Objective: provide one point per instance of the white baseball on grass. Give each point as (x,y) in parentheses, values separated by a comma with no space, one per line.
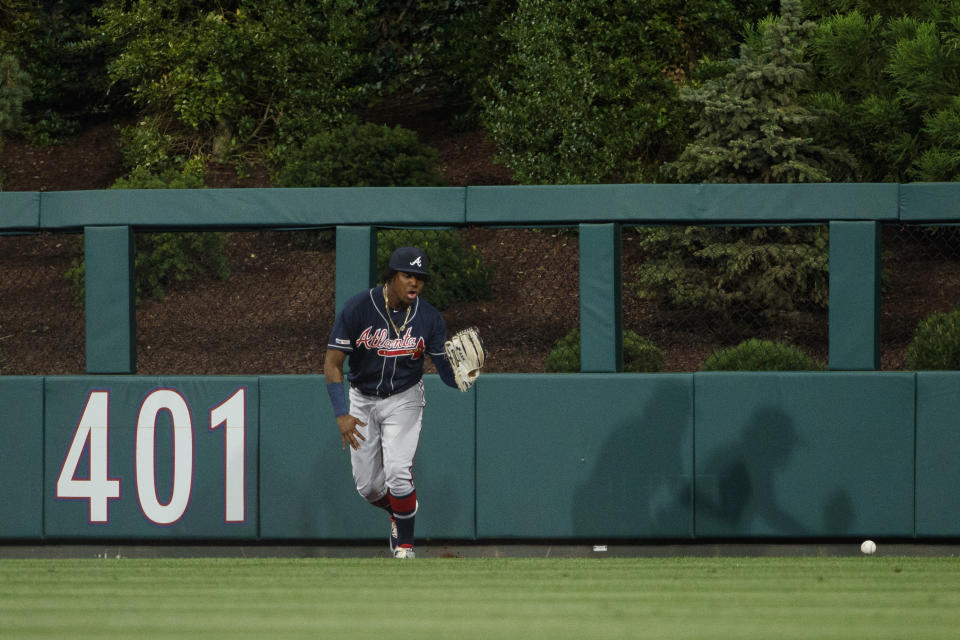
(869,547)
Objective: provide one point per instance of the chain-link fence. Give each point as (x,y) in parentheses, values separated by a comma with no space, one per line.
(694,291)
(41,319)
(534,296)
(269,312)
(920,282)
(690,291)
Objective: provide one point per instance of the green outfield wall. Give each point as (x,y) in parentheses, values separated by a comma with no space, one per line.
(599,455)
(521,456)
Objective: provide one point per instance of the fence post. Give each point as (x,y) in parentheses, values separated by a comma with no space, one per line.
(854,315)
(600,318)
(110,300)
(356,261)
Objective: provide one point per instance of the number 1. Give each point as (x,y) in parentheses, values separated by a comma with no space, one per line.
(232,412)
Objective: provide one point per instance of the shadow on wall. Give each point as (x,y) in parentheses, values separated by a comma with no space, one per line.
(737,485)
(639,484)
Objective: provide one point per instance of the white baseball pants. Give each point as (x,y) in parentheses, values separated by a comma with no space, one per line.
(384,461)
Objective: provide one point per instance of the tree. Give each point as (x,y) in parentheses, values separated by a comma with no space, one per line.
(227,77)
(68,80)
(14,90)
(887,84)
(438,52)
(589,90)
(751,127)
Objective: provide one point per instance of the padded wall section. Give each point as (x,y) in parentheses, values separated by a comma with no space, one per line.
(306,488)
(683,203)
(110,300)
(307,483)
(445,469)
(356,258)
(19,210)
(854,296)
(193,208)
(21,453)
(804,454)
(574,456)
(600,317)
(932,201)
(938,453)
(151,457)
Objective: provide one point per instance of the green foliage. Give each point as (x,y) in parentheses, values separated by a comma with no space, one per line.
(165,258)
(881,8)
(762,355)
(640,355)
(228,77)
(440,50)
(361,155)
(457,273)
(759,272)
(936,342)
(886,86)
(149,147)
(940,162)
(68,80)
(589,90)
(14,91)
(751,125)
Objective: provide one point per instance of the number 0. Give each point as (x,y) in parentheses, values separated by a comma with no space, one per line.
(171,401)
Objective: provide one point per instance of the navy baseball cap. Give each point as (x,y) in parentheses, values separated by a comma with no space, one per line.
(410,260)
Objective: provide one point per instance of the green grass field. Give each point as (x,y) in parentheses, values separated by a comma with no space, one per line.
(741,598)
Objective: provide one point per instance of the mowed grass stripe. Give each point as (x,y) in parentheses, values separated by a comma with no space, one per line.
(741,598)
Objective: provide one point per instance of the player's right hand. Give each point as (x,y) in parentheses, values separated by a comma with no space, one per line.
(348,431)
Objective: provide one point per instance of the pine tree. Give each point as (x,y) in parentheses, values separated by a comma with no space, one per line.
(752,125)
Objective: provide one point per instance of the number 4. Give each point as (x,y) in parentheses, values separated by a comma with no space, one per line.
(98,488)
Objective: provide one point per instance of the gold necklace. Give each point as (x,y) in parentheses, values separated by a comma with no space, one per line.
(386,304)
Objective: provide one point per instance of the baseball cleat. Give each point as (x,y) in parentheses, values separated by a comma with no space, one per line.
(404,553)
(394,535)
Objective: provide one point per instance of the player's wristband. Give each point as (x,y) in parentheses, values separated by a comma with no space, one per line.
(338,398)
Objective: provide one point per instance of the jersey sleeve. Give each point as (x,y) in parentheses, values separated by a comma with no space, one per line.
(343,332)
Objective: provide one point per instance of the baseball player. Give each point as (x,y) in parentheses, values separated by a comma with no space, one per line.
(386,331)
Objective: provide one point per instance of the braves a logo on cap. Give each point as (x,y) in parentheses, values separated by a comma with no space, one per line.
(417,263)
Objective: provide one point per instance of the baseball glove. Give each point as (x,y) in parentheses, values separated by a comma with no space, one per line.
(466,355)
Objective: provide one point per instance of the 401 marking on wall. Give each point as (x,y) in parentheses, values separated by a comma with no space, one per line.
(91,438)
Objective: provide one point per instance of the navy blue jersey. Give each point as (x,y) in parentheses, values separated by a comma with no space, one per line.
(381,362)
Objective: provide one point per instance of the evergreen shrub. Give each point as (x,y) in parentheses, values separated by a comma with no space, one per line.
(457,273)
(936,342)
(762,355)
(361,155)
(640,355)
(165,258)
